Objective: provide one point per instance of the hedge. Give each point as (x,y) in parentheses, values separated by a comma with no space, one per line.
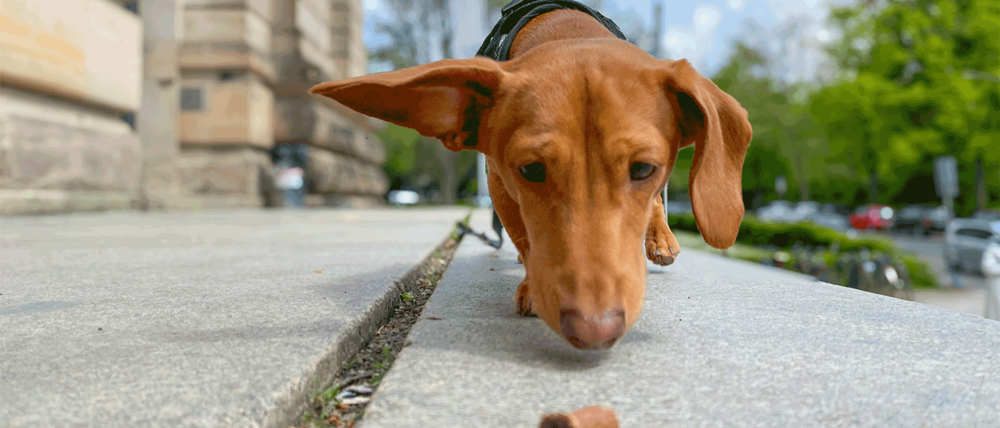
(758,233)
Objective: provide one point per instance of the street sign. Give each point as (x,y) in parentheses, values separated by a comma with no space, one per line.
(946,177)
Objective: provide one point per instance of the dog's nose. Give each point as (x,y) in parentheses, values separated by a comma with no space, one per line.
(592,332)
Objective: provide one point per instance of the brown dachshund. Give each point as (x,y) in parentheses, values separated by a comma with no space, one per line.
(580,130)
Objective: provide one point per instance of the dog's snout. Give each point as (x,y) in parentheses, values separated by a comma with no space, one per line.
(592,332)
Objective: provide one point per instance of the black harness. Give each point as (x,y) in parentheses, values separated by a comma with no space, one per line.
(518,13)
(514,17)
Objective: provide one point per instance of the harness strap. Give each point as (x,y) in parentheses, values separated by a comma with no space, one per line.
(518,13)
(514,17)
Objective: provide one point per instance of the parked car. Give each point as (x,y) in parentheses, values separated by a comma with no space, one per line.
(805,209)
(832,220)
(403,197)
(922,219)
(965,239)
(872,216)
(831,207)
(776,211)
(987,214)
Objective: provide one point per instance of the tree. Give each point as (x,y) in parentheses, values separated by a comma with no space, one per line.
(419,32)
(920,79)
(786,140)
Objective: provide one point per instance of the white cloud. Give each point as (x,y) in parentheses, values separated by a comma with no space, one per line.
(681,44)
(706,18)
(374,7)
(735,5)
(824,35)
(694,41)
(784,9)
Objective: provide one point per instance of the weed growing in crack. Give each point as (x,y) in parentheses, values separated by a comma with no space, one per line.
(341,404)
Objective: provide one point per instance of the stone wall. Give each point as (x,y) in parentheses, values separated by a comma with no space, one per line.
(225,126)
(313,44)
(56,156)
(64,145)
(199,94)
(67,49)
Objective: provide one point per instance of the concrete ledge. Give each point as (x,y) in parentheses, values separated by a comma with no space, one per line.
(720,343)
(216,319)
(208,202)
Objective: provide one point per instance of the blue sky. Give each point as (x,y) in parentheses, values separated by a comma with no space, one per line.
(702,32)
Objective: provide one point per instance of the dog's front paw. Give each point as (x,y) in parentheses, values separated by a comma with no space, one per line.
(522,303)
(662,247)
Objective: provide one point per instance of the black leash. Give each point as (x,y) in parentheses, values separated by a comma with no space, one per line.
(497,227)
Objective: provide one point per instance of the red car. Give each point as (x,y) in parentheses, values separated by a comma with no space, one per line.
(872,216)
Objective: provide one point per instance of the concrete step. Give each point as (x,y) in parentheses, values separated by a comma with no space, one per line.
(720,343)
(225,318)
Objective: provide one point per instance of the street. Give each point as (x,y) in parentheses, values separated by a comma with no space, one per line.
(969,299)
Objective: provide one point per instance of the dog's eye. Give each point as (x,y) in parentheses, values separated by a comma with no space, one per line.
(533,172)
(641,171)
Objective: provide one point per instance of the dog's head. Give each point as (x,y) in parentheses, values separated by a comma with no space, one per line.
(583,135)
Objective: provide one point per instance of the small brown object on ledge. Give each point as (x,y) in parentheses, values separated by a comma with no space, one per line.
(587,417)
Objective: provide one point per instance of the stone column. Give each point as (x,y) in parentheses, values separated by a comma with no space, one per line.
(163,21)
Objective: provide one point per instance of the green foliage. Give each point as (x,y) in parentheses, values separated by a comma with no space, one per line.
(757,233)
(913,80)
(401,149)
(920,79)
(916,80)
(417,163)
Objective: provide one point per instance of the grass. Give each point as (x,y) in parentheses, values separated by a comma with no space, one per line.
(694,241)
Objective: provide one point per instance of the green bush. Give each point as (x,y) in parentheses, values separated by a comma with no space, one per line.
(758,233)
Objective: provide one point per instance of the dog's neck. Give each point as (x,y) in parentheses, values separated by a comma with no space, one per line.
(529,23)
(557,25)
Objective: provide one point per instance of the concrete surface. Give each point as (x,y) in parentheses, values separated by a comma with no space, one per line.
(198,320)
(720,343)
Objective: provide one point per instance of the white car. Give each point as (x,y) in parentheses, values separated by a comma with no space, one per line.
(965,239)
(777,211)
(403,197)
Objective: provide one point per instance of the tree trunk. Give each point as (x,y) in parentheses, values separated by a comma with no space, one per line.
(873,187)
(981,196)
(449,177)
(803,180)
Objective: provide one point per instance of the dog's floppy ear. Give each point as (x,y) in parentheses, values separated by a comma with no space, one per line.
(718,127)
(442,99)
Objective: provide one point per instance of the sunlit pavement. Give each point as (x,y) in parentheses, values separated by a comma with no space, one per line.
(966,300)
(211,319)
(720,342)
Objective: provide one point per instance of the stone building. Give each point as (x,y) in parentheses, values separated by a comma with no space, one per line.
(178,104)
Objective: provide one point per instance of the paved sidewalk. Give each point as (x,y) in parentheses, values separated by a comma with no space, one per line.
(192,319)
(967,300)
(720,343)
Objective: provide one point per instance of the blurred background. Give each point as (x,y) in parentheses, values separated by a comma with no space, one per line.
(149,104)
(868,116)
(851,102)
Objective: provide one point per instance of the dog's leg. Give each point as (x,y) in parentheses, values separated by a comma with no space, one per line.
(510,216)
(661,245)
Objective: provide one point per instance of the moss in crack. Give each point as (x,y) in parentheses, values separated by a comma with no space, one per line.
(363,373)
